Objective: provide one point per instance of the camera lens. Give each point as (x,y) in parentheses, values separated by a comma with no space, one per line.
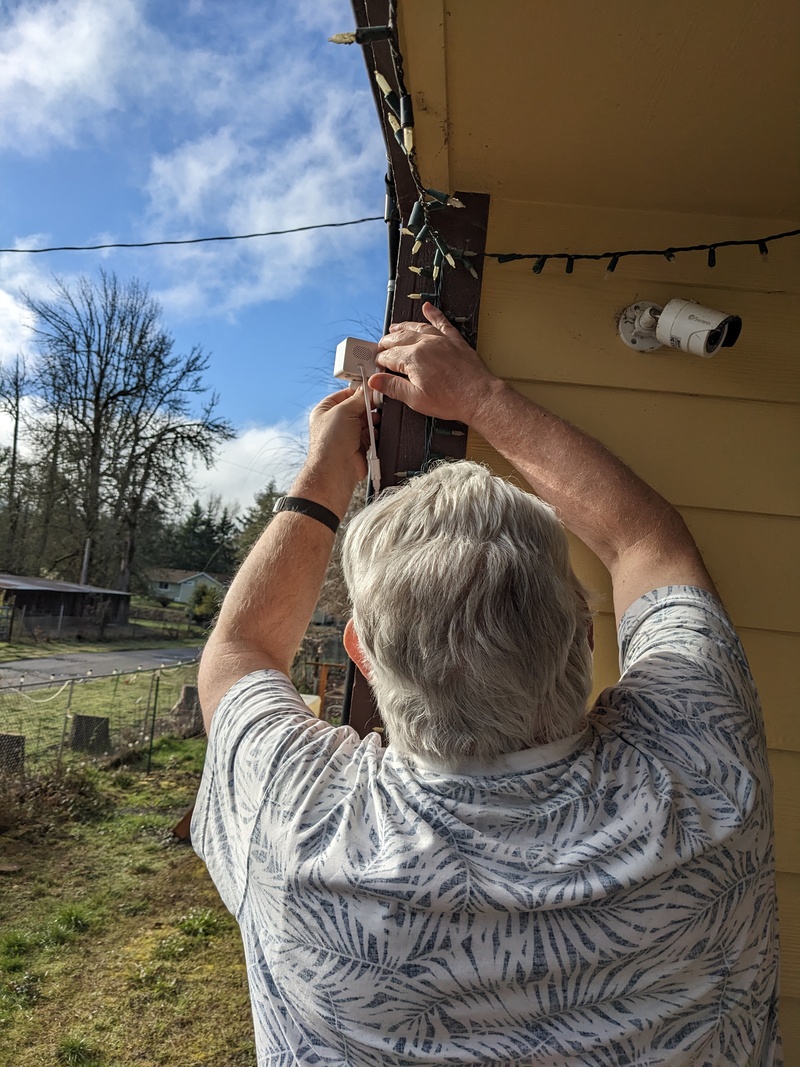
(715,338)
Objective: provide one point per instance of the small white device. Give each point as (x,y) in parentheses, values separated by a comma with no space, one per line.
(679,324)
(353,355)
(355,362)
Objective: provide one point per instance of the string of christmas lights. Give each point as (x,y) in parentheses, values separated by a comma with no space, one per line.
(613,258)
(399,115)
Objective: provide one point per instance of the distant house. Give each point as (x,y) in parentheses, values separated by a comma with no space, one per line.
(68,600)
(179,586)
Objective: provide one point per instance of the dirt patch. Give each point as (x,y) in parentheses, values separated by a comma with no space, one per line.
(116,949)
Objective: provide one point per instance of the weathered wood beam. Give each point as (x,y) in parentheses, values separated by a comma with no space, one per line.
(403,431)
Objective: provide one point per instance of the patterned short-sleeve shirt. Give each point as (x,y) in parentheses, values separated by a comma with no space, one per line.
(605,900)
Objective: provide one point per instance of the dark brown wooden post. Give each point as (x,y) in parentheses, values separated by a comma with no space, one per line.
(402,435)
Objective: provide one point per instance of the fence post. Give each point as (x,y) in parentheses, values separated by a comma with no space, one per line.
(147,709)
(66,718)
(153,721)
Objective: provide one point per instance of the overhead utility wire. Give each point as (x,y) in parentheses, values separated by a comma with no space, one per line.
(197,240)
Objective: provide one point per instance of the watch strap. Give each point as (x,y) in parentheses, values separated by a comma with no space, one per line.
(307,507)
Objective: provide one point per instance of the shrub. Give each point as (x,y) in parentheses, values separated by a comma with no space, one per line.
(204,604)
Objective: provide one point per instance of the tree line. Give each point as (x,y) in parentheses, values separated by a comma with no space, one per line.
(210,537)
(107,421)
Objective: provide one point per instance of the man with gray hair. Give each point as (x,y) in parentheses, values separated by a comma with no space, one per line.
(517,878)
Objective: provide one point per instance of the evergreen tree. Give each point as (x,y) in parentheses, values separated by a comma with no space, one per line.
(256,519)
(205,539)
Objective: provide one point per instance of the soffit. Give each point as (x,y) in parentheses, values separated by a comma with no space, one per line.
(679,106)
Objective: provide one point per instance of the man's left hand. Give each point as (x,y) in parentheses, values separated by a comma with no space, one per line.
(338,443)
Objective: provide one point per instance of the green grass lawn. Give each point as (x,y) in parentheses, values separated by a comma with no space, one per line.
(115,949)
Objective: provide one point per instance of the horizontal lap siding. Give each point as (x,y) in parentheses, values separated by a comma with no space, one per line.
(720,438)
(690,445)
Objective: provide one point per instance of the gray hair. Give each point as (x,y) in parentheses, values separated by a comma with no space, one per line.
(473,624)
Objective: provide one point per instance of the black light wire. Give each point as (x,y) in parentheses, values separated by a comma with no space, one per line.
(668,253)
(195,240)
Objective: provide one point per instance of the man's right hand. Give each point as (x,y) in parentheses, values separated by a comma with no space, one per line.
(639,537)
(444,377)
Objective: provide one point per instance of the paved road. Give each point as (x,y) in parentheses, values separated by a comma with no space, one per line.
(77,664)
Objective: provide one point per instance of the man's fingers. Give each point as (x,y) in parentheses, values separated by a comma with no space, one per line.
(390,385)
(351,402)
(406,333)
(413,327)
(331,401)
(395,359)
(439,320)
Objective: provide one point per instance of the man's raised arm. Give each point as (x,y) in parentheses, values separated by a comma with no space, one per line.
(269,605)
(638,535)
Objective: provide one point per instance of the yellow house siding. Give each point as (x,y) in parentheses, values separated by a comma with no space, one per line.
(605,104)
(568,336)
(691,444)
(720,438)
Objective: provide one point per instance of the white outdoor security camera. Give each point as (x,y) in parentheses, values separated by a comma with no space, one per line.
(679,324)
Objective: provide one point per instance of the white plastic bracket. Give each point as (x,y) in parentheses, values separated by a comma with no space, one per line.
(373,463)
(637,326)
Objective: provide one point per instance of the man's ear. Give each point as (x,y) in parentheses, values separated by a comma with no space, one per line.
(353,648)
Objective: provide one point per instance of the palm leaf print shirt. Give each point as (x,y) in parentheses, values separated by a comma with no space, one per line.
(604,900)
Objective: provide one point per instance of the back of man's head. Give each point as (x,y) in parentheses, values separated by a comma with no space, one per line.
(473,624)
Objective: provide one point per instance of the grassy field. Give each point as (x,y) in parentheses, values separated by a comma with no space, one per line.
(151,636)
(42,715)
(115,949)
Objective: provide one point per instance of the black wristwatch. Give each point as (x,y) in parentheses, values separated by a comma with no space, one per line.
(307,507)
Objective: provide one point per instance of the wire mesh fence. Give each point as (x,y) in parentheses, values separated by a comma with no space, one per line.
(25,626)
(320,667)
(44,727)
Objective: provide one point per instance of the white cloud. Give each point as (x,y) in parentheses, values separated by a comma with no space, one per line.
(327,172)
(248,463)
(20,274)
(330,16)
(253,122)
(185,181)
(14,327)
(59,63)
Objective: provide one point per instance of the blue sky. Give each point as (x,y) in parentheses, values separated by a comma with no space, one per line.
(142,120)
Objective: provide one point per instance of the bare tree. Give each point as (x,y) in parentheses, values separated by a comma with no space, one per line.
(14,385)
(119,414)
